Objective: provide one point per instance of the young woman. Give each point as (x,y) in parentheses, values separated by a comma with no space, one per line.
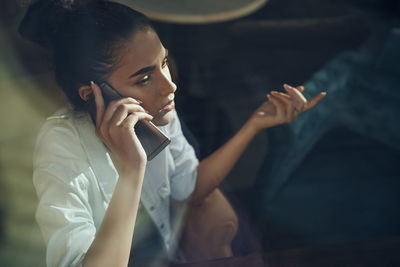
(97,190)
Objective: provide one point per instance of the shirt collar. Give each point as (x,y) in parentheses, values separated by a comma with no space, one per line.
(98,156)
(155,182)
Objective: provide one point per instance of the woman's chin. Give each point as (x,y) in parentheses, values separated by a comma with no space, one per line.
(164,120)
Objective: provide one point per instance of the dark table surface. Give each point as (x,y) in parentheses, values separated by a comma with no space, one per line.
(384,253)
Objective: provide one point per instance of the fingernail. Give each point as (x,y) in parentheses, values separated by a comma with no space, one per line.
(269,96)
(287,86)
(323,93)
(138,101)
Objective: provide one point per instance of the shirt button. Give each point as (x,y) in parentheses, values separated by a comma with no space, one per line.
(152,208)
(162,226)
(164,191)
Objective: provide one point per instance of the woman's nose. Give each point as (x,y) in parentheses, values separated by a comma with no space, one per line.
(167,86)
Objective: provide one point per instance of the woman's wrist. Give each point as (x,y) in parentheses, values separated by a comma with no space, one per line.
(132,171)
(250,127)
(128,167)
(131,168)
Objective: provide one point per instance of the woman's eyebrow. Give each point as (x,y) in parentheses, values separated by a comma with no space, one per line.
(147,69)
(142,71)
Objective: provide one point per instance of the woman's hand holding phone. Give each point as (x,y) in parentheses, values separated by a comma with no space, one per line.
(115,127)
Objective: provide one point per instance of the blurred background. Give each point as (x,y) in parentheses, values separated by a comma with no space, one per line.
(331,177)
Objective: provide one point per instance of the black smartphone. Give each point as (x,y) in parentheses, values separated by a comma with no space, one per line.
(151,138)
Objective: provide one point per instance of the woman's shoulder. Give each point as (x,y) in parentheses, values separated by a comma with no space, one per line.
(59,137)
(59,125)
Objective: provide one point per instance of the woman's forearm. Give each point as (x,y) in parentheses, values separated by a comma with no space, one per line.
(112,244)
(280,108)
(213,169)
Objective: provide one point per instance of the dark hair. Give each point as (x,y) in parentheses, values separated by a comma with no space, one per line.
(84,38)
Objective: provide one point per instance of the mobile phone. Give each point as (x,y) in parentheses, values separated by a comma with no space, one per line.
(151,138)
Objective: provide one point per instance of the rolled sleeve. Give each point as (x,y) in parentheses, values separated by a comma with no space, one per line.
(64,217)
(64,213)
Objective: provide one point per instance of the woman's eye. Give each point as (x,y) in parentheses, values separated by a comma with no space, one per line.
(144,80)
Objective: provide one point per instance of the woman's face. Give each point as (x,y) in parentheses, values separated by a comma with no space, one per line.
(143,74)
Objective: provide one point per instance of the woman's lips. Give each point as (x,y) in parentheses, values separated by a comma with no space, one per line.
(168,107)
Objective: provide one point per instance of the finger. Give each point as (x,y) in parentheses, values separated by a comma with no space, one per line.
(298,105)
(123,111)
(300,88)
(295,93)
(99,101)
(288,105)
(261,110)
(104,127)
(276,93)
(315,100)
(301,101)
(131,120)
(278,105)
(267,108)
(122,104)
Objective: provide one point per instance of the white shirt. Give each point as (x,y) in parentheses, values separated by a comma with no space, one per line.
(74,178)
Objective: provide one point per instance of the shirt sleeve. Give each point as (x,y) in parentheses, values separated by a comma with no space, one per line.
(184,176)
(61,181)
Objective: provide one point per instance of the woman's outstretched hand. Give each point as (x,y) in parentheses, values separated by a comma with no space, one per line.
(115,127)
(282,107)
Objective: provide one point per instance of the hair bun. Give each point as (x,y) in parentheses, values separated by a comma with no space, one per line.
(42,20)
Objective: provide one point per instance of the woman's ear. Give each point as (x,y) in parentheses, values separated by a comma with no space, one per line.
(84,92)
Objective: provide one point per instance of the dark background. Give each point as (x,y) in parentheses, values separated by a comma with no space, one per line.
(223,72)
(347,187)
